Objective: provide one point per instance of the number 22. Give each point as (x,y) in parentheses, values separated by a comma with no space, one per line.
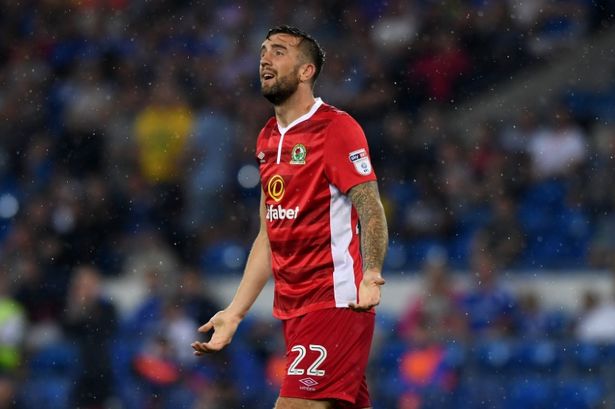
(302,352)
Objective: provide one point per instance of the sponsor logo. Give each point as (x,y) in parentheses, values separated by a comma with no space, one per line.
(261,157)
(361,162)
(280,213)
(275,187)
(298,154)
(309,384)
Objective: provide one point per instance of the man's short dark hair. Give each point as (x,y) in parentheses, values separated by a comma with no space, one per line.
(308,45)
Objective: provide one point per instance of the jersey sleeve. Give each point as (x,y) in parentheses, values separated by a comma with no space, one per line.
(346,154)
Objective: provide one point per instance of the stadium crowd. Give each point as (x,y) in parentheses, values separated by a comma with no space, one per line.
(128,131)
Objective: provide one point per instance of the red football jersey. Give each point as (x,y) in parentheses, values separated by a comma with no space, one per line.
(306,170)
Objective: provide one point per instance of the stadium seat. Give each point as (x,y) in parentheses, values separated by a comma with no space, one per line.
(579,393)
(493,356)
(224,257)
(537,356)
(586,357)
(535,392)
(49,392)
(397,256)
(57,359)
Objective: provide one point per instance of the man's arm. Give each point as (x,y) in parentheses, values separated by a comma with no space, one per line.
(374,241)
(255,276)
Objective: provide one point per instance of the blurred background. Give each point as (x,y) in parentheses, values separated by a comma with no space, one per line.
(129,195)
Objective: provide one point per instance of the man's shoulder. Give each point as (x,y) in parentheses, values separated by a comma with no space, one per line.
(335,116)
(332,112)
(269,126)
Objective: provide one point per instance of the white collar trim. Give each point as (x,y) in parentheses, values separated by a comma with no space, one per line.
(317,103)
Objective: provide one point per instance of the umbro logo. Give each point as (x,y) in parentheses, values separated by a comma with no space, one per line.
(261,157)
(309,382)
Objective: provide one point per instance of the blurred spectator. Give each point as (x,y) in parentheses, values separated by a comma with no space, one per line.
(597,321)
(86,100)
(501,236)
(13,323)
(31,290)
(558,25)
(162,131)
(210,165)
(149,310)
(601,197)
(441,66)
(196,296)
(492,25)
(602,246)
(521,131)
(398,27)
(560,149)
(391,152)
(90,322)
(536,322)
(490,308)
(434,317)
(8,393)
(147,250)
(167,339)
(427,217)
(455,176)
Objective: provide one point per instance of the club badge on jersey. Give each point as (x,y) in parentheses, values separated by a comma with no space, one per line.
(361,162)
(298,155)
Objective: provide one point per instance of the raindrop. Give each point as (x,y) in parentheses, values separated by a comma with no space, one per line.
(248,176)
(9,206)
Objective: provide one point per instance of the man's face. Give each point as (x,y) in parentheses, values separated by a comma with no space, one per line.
(279,67)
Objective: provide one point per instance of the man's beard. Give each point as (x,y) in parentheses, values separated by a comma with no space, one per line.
(283,88)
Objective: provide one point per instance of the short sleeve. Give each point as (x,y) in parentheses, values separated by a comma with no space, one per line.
(346,154)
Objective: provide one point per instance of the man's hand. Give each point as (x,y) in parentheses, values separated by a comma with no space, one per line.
(369,292)
(224,325)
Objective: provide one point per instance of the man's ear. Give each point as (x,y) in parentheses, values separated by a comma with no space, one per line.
(307,72)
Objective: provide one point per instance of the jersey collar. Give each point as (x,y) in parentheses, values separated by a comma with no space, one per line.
(317,103)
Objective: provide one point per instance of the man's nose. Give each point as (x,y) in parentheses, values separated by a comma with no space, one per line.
(265,61)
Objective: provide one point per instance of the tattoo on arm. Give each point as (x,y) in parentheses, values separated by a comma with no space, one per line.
(374,232)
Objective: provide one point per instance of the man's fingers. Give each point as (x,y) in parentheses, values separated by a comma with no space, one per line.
(206,327)
(379,281)
(201,348)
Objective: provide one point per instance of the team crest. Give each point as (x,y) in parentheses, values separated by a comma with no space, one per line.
(360,160)
(298,154)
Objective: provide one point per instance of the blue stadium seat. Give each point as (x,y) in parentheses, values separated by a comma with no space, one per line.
(586,357)
(494,356)
(534,392)
(224,257)
(417,250)
(549,194)
(458,249)
(538,356)
(579,393)
(49,392)
(397,256)
(557,324)
(591,105)
(455,355)
(57,359)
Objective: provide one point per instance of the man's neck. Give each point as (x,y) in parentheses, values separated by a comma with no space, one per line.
(294,107)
